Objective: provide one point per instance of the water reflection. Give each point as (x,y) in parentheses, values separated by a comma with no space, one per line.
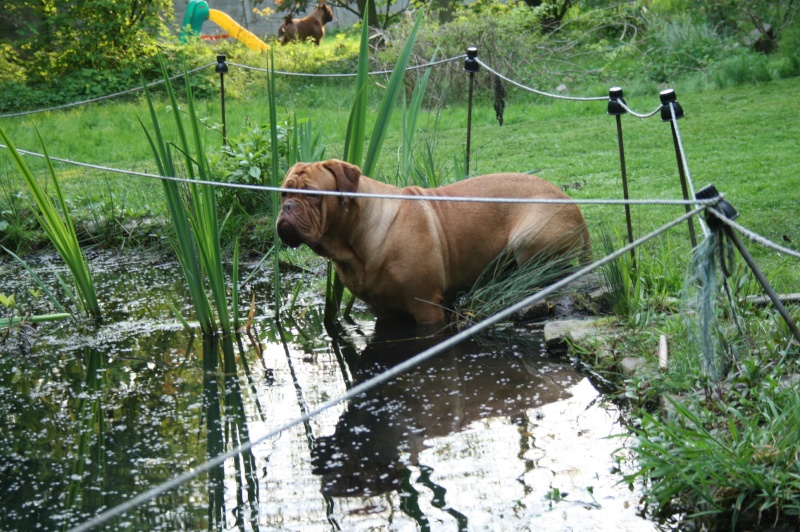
(90,416)
(385,430)
(227,431)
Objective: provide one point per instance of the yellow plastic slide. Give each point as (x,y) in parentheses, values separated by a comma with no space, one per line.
(236,31)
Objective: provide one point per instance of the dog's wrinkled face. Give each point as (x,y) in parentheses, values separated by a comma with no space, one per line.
(305,217)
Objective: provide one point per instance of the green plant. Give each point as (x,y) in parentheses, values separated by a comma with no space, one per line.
(305,143)
(91,426)
(42,286)
(626,289)
(247,159)
(411,112)
(356,135)
(730,462)
(10,304)
(66,51)
(276,182)
(65,36)
(678,44)
(59,228)
(741,69)
(503,284)
(195,221)
(555,495)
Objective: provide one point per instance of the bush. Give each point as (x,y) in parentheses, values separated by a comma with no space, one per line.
(507,37)
(789,52)
(247,160)
(679,45)
(743,68)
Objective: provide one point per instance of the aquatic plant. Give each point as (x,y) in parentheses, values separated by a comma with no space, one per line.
(58,227)
(411,112)
(276,180)
(89,415)
(502,284)
(39,318)
(195,220)
(305,144)
(626,290)
(235,286)
(42,286)
(387,106)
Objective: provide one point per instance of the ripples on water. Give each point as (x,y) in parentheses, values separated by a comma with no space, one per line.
(489,435)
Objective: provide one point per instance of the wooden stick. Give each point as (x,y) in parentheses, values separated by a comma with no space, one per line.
(662,352)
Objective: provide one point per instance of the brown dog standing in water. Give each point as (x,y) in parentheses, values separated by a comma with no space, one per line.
(414,257)
(300,29)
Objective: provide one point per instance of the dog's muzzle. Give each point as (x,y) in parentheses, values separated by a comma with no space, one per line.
(285,226)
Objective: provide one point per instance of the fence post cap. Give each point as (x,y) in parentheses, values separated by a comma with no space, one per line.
(471,62)
(615,100)
(668,100)
(222,66)
(723,207)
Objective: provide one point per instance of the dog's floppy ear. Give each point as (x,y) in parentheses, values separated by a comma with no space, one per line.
(347,175)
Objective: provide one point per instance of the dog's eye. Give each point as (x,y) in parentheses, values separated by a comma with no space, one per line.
(283,194)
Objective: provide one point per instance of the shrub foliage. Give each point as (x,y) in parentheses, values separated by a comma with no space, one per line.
(80,48)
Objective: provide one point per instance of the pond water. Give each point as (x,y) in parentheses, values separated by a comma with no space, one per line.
(493,434)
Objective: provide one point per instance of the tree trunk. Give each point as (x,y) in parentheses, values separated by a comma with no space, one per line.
(373,11)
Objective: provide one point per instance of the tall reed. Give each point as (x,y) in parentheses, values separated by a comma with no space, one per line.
(276,180)
(195,220)
(60,231)
(387,106)
(410,115)
(305,144)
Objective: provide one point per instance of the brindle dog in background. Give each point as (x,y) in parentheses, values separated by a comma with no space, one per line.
(300,29)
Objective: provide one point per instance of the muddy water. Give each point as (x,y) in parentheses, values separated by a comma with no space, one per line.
(491,435)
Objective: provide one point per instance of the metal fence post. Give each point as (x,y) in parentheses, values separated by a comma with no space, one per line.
(222,69)
(616,109)
(471,66)
(670,103)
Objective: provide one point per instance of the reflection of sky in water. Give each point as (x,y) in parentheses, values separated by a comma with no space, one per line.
(467,437)
(493,471)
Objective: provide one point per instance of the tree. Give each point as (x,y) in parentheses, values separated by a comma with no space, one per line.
(61,36)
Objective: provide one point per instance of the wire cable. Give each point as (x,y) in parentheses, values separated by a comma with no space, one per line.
(537,91)
(684,163)
(754,237)
(638,115)
(107,96)
(345,75)
(463,199)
